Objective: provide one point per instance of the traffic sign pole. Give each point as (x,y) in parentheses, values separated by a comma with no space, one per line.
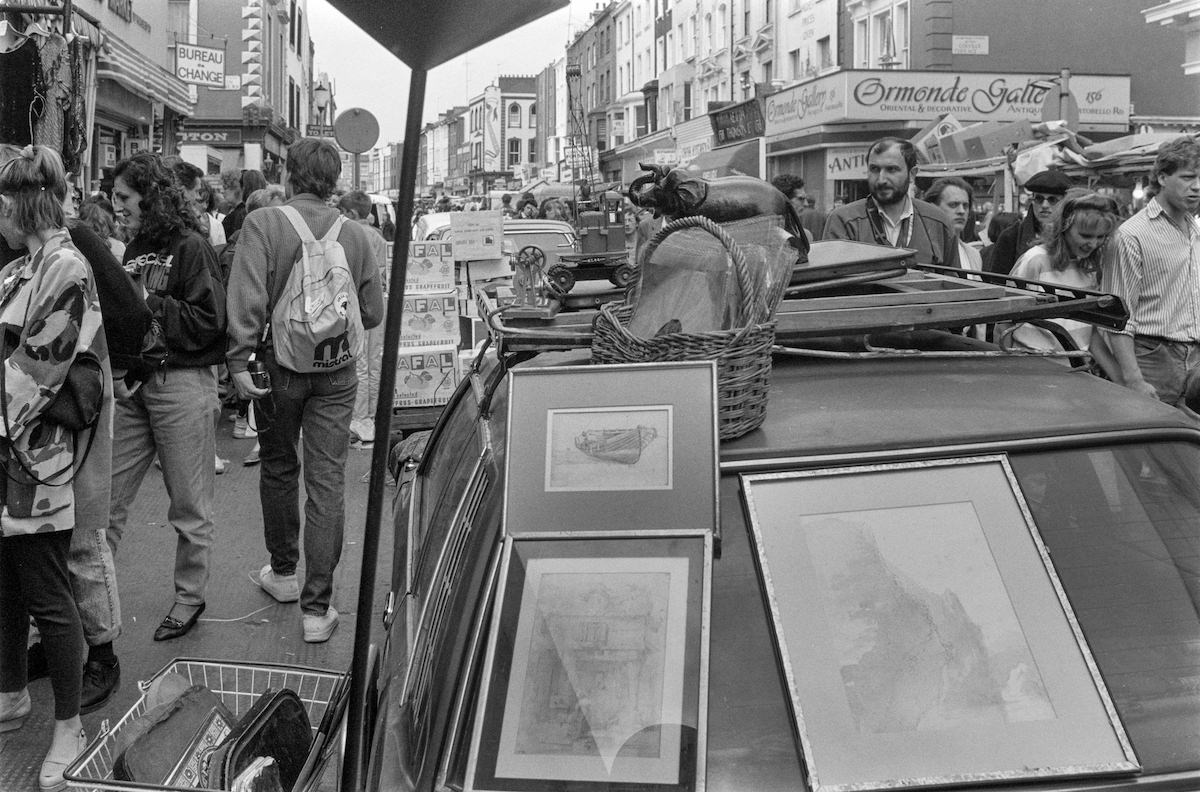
(356,131)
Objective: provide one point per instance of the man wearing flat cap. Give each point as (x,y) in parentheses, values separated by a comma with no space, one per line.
(1045,190)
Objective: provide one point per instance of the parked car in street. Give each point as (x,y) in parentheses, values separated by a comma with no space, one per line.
(551,237)
(935,565)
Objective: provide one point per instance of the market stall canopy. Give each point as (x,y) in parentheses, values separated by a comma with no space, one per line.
(140,75)
(739,160)
(1131,156)
(427,33)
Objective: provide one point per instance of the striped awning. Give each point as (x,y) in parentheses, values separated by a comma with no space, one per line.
(123,64)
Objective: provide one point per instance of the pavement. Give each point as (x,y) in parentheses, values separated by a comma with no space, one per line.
(241,623)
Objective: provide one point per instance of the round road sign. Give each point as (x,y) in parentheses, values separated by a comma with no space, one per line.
(356,130)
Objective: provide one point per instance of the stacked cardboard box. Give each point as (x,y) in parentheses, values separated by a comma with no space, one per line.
(427,367)
(426,377)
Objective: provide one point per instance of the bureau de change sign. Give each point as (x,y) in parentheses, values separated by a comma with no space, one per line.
(200,65)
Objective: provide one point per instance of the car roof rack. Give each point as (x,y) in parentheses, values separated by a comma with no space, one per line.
(895,298)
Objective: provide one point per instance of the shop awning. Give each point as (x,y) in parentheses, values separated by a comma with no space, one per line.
(739,160)
(134,71)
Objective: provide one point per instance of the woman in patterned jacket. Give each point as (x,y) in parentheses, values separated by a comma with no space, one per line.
(49,313)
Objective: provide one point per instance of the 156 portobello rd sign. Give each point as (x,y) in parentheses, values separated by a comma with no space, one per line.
(924,95)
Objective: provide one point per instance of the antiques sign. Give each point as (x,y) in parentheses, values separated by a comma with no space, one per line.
(1104,100)
(739,122)
(200,65)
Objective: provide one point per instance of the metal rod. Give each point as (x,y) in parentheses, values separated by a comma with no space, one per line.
(383,426)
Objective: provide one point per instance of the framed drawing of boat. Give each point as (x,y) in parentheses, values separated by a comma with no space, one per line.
(602,680)
(598,448)
(609,449)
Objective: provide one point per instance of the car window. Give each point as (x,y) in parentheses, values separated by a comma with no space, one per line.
(1122,526)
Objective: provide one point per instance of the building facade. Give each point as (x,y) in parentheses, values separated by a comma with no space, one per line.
(765,87)
(258,103)
(96,83)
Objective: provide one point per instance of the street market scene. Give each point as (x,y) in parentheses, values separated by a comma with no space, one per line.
(599,395)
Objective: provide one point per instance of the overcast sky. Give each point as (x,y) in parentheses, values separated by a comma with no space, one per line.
(368,76)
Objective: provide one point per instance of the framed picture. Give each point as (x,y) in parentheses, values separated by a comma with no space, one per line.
(596,675)
(622,447)
(924,635)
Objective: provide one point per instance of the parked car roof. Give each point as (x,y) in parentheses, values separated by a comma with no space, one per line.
(820,406)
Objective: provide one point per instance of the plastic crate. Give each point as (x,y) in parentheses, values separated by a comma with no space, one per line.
(239,686)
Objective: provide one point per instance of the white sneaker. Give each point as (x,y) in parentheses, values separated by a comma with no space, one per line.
(363,431)
(318,627)
(284,588)
(242,430)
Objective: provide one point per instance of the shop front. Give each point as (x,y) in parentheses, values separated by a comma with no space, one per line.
(139,105)
(692,139)
(820,130)
(737,134)
(256,141)
(627,160)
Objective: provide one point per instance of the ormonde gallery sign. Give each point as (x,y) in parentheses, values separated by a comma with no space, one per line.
(924,95)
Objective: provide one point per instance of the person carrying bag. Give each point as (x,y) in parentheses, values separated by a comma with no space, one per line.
(50,321)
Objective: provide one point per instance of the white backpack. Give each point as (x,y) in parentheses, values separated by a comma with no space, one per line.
(316,324)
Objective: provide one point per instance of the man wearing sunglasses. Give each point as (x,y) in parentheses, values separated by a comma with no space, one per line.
(1045,190)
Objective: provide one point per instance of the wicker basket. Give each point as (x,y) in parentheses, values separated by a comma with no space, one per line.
(742,354)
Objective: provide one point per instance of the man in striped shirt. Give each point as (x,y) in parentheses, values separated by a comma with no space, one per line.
(1157,274)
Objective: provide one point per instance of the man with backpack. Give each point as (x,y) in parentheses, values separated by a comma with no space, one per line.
(303,288)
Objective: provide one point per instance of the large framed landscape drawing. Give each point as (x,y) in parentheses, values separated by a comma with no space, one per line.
(923,632)
(611,448)
(596,677)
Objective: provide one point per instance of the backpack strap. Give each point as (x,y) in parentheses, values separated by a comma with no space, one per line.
(334,230)
(306,234)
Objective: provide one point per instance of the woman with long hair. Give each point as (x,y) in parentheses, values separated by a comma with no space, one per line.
(49,315)
(170,416)
(1072,254)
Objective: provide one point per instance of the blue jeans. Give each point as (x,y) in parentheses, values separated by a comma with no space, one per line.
(94,583)
(173,418)
(90,560)
(1165,364)
(320,405)
(367,367)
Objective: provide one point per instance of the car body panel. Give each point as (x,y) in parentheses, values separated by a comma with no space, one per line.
(821,406)
(824,412)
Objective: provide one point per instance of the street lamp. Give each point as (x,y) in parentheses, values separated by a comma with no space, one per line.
(321,97)
(747,84)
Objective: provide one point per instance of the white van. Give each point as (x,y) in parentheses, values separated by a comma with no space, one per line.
(382,209)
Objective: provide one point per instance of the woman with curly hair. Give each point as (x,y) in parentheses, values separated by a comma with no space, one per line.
(1072,255)
(49,317)
(171,414)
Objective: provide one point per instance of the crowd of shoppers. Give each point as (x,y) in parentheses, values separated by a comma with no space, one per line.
(1069,236)
(156,241)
